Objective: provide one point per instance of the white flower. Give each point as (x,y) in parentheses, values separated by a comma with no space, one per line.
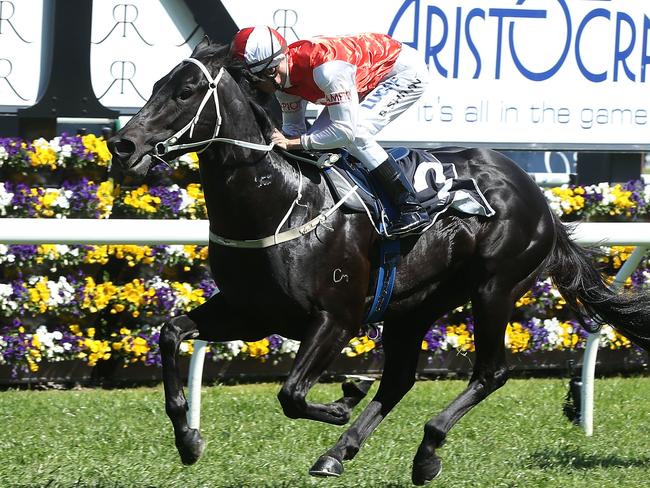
(61,292)
(5,199)
(186,200)
(5,255)
(6,293)
(48,342)
(233,349)
(289,346)
(555,332)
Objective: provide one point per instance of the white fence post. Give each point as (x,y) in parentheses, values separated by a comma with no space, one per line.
(194,384)
(593,341)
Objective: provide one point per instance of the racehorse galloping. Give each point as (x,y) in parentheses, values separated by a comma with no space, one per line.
(295,288)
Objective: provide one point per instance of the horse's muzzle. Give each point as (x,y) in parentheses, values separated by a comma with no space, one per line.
(131,161)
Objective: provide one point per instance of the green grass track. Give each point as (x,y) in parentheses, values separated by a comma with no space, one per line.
(517,438)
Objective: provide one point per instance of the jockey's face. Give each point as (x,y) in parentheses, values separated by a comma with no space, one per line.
(276,78)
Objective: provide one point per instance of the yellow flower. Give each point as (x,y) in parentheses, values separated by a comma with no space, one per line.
(97,146)
(97,350)
(140,346)
(39,294)
(140,199)
(106,197)
(48,251)
(623,202)
(517,337)
(572,199)
(359,345)
(257,349)
(460,335)
(42,154)
(527,299)
(97,254)
(190,297)
(133,292)
(97,297)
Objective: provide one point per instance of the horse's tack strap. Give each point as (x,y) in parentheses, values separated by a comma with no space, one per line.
(389,258)
(287,235)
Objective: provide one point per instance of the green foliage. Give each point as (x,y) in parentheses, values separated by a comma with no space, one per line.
(516,438)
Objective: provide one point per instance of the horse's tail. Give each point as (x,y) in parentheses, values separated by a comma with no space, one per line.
(583,287)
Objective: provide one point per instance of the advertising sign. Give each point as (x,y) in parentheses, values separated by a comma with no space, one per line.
(20,51)
(566,74)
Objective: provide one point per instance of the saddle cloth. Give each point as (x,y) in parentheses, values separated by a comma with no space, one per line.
(437,186)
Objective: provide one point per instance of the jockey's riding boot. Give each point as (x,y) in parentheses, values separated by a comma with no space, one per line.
(401,194)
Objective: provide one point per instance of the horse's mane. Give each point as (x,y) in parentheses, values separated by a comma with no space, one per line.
(264,106)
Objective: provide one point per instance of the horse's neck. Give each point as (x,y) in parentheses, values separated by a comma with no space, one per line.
(249,200)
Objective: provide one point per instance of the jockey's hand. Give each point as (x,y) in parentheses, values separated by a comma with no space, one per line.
(283,142)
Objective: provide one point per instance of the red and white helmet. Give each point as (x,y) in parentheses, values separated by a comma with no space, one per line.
(260,47)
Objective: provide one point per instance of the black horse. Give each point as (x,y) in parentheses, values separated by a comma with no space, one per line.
(292,288)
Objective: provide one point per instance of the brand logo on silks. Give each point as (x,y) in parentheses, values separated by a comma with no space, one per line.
(290,106)
(337,97)
(500,35)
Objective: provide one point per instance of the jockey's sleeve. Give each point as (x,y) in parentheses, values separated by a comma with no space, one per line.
(293,113)
(337,81)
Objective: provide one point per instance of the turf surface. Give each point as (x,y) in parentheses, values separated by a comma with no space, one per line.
(517,438)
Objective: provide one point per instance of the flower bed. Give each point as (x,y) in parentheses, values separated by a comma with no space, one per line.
(104,304)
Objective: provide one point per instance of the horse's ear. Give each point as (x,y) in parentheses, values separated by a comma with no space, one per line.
(204,43)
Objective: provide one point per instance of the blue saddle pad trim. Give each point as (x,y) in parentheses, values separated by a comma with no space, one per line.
(399,152)
(389,258)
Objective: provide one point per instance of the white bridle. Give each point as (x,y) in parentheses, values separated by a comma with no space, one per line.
(169,145)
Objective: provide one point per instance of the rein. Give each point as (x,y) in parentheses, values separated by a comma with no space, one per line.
(169,145)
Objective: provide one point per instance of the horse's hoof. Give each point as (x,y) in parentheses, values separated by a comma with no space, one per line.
(326,466)
(426,470)
(190,447)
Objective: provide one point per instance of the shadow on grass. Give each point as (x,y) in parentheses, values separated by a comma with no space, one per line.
(575,459)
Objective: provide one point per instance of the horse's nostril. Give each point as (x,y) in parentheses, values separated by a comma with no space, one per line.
(123,148)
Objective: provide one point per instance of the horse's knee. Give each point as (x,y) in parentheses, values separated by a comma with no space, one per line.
(291,402)
(175,331)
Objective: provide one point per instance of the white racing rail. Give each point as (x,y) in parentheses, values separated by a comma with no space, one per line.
(127,231)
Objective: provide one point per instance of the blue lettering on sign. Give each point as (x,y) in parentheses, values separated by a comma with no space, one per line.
(627,33)
(645,55)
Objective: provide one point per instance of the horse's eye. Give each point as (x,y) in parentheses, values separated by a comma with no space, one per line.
(185,93)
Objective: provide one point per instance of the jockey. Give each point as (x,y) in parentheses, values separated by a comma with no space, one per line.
(364,81)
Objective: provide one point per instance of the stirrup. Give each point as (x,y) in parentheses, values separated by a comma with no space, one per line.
(410,227)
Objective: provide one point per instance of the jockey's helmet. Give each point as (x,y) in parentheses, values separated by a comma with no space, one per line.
(260,47)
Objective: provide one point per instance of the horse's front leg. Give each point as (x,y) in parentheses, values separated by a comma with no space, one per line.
(189,443)
(326,337)
(214,320)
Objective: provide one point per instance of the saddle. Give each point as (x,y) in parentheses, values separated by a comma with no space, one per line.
(437,184)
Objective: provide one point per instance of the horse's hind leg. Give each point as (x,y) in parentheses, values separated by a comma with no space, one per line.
(492,307)
(401,352)
(214,321)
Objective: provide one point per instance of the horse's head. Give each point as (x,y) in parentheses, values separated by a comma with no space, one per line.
(187,106)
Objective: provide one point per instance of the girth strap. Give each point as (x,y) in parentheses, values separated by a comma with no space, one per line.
(389,258)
